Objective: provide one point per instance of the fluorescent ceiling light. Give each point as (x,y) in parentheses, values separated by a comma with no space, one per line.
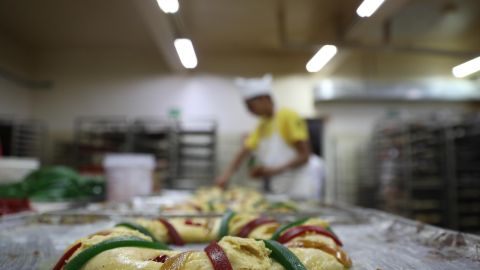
(368,7)
(321,58)
(185,52)
(168,6)
(467,68)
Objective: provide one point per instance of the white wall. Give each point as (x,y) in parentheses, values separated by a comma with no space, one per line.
(106,84)
(15,100)
(295,92)
(119,83)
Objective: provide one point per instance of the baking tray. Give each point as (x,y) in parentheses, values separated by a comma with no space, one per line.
(375,240)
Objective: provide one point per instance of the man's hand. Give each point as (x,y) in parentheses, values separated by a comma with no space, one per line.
(222,180)
(262,171)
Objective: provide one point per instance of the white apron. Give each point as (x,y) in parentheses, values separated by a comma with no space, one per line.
(303,182)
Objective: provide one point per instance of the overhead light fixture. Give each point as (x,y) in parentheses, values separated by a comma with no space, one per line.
(186,53)
(467,68)
(321,58)
(168,6)
(368,7)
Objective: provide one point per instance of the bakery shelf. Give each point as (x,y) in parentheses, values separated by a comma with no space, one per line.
(436,160)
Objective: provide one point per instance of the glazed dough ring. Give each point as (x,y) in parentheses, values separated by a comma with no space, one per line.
(243,253)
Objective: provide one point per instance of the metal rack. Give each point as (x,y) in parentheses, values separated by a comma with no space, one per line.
(96,136)
(195,158)
(464,159)
(184,151)
(388,166)
(426,181)
(22,137)
(155,136)
(429,171)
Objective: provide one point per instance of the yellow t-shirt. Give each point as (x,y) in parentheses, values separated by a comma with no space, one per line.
(289,124)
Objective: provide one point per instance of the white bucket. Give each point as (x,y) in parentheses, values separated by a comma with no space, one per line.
(15,169)
(128,175)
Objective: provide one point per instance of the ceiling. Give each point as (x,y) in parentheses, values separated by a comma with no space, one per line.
(59,24)
(254,37)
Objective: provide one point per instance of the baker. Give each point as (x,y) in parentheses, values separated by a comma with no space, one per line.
(280,143)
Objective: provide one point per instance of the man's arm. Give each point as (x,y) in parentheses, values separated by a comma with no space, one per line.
(223,179)
(303,153)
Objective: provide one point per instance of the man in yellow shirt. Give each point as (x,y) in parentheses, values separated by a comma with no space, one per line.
(281,144)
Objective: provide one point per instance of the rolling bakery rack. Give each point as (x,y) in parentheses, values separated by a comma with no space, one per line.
(430,171)
(22,137)
(185,151)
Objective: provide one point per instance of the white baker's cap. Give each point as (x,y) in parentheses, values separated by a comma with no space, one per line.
(254,87)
